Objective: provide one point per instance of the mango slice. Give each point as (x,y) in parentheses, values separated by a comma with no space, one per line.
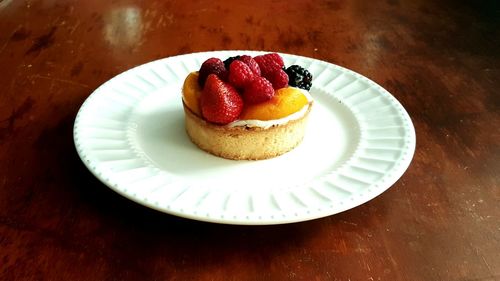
(285,102)
(191,91)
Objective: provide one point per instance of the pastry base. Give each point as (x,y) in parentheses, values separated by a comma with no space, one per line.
(245,143)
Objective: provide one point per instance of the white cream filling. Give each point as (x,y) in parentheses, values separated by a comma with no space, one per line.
(275,122)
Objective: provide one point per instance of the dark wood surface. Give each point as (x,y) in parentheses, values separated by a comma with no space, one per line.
(440,221)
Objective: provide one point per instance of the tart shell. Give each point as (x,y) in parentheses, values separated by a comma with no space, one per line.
(243,142)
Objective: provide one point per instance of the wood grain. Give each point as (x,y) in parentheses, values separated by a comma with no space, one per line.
(440,221)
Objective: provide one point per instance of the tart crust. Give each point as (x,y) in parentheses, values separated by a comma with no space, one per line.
(242,142)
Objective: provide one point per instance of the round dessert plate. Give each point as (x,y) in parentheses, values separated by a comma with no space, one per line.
(130,134)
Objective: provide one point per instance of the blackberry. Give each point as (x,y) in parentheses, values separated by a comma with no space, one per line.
(299,77)
(229,60)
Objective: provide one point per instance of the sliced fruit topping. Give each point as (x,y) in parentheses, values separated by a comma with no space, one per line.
(269,63)
(299,77)
(220,102)
(246,88)
(240,74)
(191,93)
(211,66)
(286,101)
(257,91)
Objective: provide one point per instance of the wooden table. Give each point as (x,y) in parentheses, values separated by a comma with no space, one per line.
(440,221)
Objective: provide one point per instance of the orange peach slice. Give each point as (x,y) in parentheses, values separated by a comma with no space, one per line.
(191,91)
(285,102)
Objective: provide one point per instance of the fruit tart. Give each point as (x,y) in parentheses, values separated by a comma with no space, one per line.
(247,107)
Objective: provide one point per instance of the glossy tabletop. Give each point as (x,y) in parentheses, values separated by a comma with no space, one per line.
(439,221)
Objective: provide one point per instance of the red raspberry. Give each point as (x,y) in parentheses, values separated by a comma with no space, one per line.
(269,63)
(279,79)
(254,66)
(240,74)
(211,66)
(257,91)
(220,103)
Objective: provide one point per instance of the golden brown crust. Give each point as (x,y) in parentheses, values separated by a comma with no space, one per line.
(244,143)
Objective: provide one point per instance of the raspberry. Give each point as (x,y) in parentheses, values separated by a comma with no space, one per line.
(254,66)
(257,91)
(279,79)
(299,77)
(240,74)
(211,66)
(269,63)
(276,58)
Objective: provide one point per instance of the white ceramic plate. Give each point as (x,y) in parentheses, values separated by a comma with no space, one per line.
(130,134)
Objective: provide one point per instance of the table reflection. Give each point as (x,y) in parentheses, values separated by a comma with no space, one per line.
(123,27)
